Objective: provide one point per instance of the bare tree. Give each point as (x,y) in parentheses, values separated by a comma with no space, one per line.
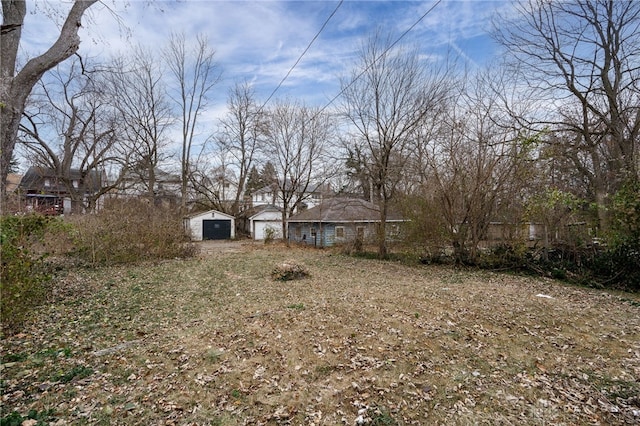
(212,179)
(16,85)
(583,57)
(384,105)
(145,115)
(469,168)
(70,126)
(241,136)
(196,74)
(295,138)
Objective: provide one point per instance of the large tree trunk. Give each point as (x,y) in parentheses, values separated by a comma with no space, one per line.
(382,230)
(15,88)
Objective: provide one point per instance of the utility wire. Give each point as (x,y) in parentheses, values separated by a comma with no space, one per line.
(303,53)
(378,58)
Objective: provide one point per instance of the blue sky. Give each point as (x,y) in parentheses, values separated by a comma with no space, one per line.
(261,40)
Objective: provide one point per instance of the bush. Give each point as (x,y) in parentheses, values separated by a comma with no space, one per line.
(508,256)
(269,235)
(618,264)
(24,275)
(131,231)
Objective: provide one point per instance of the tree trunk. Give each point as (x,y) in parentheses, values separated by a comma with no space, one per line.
(382,231)
(285,237)
(15,88)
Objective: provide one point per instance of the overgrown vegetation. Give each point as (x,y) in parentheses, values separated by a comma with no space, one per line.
(132,230)
(24,274)
(34,247)
(568,244)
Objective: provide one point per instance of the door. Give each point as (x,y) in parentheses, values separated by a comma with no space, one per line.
(216,229)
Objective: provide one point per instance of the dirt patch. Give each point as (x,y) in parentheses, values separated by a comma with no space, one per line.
(216,340)
(210,247)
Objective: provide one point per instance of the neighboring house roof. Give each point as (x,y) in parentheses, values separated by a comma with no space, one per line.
(159,175)
(34,180)
(318,187)
(264,190)
(344,210)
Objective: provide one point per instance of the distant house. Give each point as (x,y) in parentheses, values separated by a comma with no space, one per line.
(339,221)
(309,198)
(46,192)
(210,225)
(167,187)
(216,188)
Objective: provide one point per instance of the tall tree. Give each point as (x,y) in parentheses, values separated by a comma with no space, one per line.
(241,133)
(582,55)
(195,73)
(295,137)
(16,85)
(388,96)
(145,114)
(70,126)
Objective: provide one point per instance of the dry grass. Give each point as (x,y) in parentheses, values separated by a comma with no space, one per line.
(217,341)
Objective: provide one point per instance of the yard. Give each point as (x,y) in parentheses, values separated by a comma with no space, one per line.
(215,340)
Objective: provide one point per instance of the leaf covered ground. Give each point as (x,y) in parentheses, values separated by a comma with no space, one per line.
(216,340)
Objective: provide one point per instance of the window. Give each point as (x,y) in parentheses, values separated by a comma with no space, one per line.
(47,182)
(339,231)
(75,183)
(312,231)
(360,233)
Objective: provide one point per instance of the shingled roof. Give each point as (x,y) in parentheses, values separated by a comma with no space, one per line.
(344,210)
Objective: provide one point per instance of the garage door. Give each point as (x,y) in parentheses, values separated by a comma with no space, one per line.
(261,230)
(216,229)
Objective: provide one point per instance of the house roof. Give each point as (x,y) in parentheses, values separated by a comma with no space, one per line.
(161,176)
(33,180)
(253,212)
(210,213)
(314,187)
(344,210)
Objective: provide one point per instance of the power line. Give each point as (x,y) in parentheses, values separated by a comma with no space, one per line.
(303,53)
(378,58)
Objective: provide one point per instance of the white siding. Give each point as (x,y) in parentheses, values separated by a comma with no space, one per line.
(193,224)
(263,220)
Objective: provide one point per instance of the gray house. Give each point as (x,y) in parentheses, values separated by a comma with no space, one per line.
(339,221)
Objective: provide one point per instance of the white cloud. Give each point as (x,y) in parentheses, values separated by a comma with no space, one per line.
(261,40)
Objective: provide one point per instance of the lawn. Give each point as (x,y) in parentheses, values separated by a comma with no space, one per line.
(215,340)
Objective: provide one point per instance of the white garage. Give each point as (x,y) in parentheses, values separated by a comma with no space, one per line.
(268,220)
(210,225)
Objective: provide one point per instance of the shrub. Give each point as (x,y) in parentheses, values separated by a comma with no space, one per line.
(131,231)
(24,275)
(511,256)
(269,235)
(618,263)
(289,271)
